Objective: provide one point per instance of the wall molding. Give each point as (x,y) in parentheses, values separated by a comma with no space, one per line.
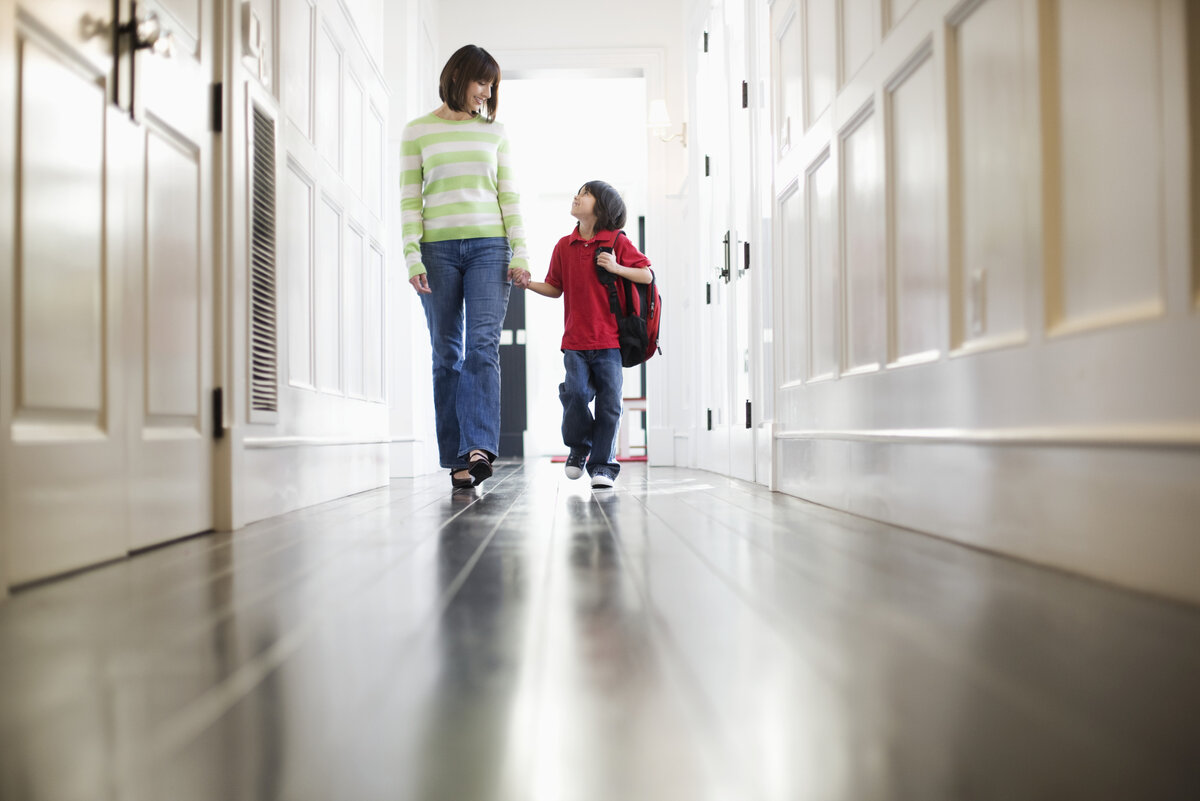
(307,442)
(1185,435)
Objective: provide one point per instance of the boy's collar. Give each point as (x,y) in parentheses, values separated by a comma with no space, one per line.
(604,238)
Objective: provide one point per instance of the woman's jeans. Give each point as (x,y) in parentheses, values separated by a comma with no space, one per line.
(470,275)
(592,374)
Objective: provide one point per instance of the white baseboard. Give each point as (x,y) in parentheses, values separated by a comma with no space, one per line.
(660,447)
(282,479)
(1119,513)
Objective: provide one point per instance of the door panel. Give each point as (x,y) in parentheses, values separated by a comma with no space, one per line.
(170,413)
(172,298)
(63,443)
(61,253)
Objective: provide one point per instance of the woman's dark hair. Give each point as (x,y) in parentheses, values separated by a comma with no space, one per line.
(469,63)
(609,208)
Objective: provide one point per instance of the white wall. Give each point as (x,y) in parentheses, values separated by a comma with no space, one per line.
(324,86)
(985,294)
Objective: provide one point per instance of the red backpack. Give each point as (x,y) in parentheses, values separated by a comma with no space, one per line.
(638,308)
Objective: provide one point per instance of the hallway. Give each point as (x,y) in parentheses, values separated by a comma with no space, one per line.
(685,636)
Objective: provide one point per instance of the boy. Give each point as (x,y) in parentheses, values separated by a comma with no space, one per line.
(583,264)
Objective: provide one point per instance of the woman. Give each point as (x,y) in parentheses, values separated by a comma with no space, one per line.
(464,244)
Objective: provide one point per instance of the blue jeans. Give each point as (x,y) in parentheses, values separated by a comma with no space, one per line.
(468,275)
(592,374)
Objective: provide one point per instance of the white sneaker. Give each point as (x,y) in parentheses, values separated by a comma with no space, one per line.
(574,466)
(602,481)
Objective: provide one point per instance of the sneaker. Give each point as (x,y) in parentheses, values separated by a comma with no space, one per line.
(574,466)
(602,481)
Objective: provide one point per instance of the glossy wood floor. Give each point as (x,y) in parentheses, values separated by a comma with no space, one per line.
(683,636)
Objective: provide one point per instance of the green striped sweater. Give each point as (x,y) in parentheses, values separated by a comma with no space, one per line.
(456,182)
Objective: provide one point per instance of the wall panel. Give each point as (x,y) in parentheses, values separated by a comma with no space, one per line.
(353,304)
(915,188)
(352,119)
(824,311)
(1109,122)
(896,9)
(788,44)
(297,249)
(296,52)
(863,250)
(859,21)
(327,327)
(990,169)
(373,325)
(373,160)
(329,98)
(820,38)
(793,333)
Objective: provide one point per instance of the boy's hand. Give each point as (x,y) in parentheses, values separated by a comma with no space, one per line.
(519,277)
(607,261)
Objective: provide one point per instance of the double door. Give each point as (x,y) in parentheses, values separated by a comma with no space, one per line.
(106,279)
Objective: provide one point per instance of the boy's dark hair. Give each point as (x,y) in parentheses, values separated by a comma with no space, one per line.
(609,208)
(469,63)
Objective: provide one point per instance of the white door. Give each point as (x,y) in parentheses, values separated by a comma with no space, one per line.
(170,315)
(80,353)
(740,319)
(712,139)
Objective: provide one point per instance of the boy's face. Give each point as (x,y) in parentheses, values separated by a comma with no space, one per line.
(583,207)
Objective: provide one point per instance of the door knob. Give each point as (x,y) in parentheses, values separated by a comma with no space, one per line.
(146,34)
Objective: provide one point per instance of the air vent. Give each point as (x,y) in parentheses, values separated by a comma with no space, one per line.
(264,384)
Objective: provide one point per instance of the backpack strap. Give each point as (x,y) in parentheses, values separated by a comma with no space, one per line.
(614,302)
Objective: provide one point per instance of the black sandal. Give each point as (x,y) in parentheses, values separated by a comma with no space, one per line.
(481,466)
(460,483)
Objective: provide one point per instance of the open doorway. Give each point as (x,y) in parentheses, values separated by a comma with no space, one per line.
(566,127)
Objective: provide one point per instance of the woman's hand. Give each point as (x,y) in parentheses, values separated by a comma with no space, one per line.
(421,284)
(519,277)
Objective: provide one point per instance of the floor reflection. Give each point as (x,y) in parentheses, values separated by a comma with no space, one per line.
(679,637)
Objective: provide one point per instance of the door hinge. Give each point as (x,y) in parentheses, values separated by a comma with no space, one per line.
(708,294)
(706,41)
(707,167)
(218,413)
(745,255)
(710,419)
(216,111)
(749,418)
(745,94)
(727,244)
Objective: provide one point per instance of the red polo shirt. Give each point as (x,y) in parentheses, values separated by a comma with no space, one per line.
(588,323)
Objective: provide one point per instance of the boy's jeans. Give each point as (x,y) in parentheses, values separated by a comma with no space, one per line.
(470,274)
(592,374)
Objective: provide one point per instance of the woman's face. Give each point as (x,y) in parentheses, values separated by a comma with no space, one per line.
(478,94)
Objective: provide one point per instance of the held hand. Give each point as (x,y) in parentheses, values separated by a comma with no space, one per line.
(519,277)
(421,284)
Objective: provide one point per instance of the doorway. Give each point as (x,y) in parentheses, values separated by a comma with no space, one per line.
(555,154)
